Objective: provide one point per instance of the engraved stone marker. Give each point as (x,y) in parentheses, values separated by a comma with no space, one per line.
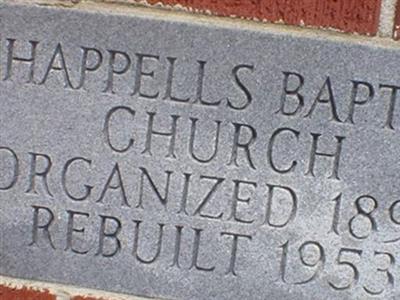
(144,155)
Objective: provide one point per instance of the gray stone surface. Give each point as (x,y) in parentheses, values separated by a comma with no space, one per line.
(183,161)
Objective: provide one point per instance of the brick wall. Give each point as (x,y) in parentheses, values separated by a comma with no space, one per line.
(366,17)
(361,16)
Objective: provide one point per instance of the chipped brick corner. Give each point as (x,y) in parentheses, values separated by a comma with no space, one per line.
(396,27)
(20,289)
(24,293)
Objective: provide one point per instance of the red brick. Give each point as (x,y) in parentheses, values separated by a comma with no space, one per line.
(396,29)
(12,293)
(361,16)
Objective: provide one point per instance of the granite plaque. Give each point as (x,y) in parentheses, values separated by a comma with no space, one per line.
(181,160)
